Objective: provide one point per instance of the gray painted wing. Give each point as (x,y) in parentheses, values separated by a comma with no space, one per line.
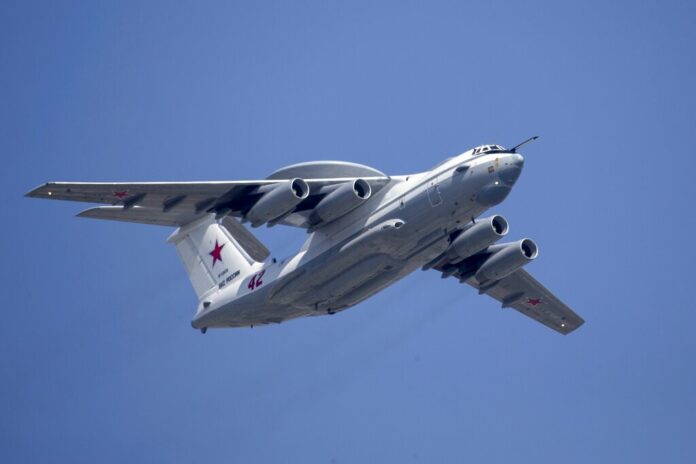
(141,215)
(161,195)
(161,203)
(524,293)
(178,203)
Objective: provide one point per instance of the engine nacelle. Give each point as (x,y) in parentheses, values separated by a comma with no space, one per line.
(477,237)
(277,202)
(506,259)
(341,201)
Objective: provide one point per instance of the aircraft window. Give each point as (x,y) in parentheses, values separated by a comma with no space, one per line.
(487,149)
(483,149)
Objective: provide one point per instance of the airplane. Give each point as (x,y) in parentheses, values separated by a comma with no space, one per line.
(366,230)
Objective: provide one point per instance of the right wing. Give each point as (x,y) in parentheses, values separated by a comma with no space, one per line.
(524,293)
(519,291)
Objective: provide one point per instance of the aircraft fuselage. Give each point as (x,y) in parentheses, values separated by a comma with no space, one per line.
(402,227)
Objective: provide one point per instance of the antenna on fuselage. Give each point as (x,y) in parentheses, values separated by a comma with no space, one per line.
(530,139)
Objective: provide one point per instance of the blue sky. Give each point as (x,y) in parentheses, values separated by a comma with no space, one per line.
(98,361)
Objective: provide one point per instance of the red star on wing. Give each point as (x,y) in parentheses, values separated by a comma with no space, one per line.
(533,301)
(121,194)
(217,253)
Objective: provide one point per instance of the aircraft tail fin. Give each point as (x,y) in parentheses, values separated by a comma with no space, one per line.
(216,253)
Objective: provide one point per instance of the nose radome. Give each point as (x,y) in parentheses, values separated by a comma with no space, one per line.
(512,168)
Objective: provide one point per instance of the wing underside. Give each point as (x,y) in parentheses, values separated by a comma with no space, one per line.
(178,203)
(527,295)
(523,293)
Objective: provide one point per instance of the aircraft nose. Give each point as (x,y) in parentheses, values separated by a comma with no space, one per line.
(512,168)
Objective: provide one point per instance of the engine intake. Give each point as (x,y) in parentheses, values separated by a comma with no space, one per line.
(277,202)
(477,237)
(506,259)
(341,201)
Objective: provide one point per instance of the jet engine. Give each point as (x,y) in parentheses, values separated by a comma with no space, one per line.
(341,201)
(506,259)
(477,237)
(280,200)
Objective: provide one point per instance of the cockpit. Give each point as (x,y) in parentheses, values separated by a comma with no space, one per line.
(482,149)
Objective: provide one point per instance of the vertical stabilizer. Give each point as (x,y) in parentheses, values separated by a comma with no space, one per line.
(212,255)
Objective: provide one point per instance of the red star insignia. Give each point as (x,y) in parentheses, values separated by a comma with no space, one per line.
(217,253)
(533,301)
(121,194)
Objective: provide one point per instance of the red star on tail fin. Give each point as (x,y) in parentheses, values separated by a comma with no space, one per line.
(217,253)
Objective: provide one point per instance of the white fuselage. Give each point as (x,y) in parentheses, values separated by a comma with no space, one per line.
(399,229)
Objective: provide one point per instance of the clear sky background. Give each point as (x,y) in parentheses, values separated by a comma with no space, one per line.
(97,358)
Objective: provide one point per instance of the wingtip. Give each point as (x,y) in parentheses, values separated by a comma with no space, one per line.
(41,191)
(575,326)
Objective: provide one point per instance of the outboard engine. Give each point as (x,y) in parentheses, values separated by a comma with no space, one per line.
(506,259)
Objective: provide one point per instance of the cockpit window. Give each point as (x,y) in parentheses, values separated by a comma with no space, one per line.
(487,149)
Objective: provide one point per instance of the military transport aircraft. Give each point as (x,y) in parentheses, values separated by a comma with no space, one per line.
(366,231)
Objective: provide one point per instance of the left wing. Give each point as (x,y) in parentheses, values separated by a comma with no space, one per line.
(524,293)
(178,203)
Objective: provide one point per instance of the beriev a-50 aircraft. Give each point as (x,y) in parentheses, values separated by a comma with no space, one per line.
(366,230)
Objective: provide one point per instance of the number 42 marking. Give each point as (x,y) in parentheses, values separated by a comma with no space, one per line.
(256,281)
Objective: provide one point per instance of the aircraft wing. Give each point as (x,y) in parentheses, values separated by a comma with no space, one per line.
(527,295)
(178,203)
(524,293)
